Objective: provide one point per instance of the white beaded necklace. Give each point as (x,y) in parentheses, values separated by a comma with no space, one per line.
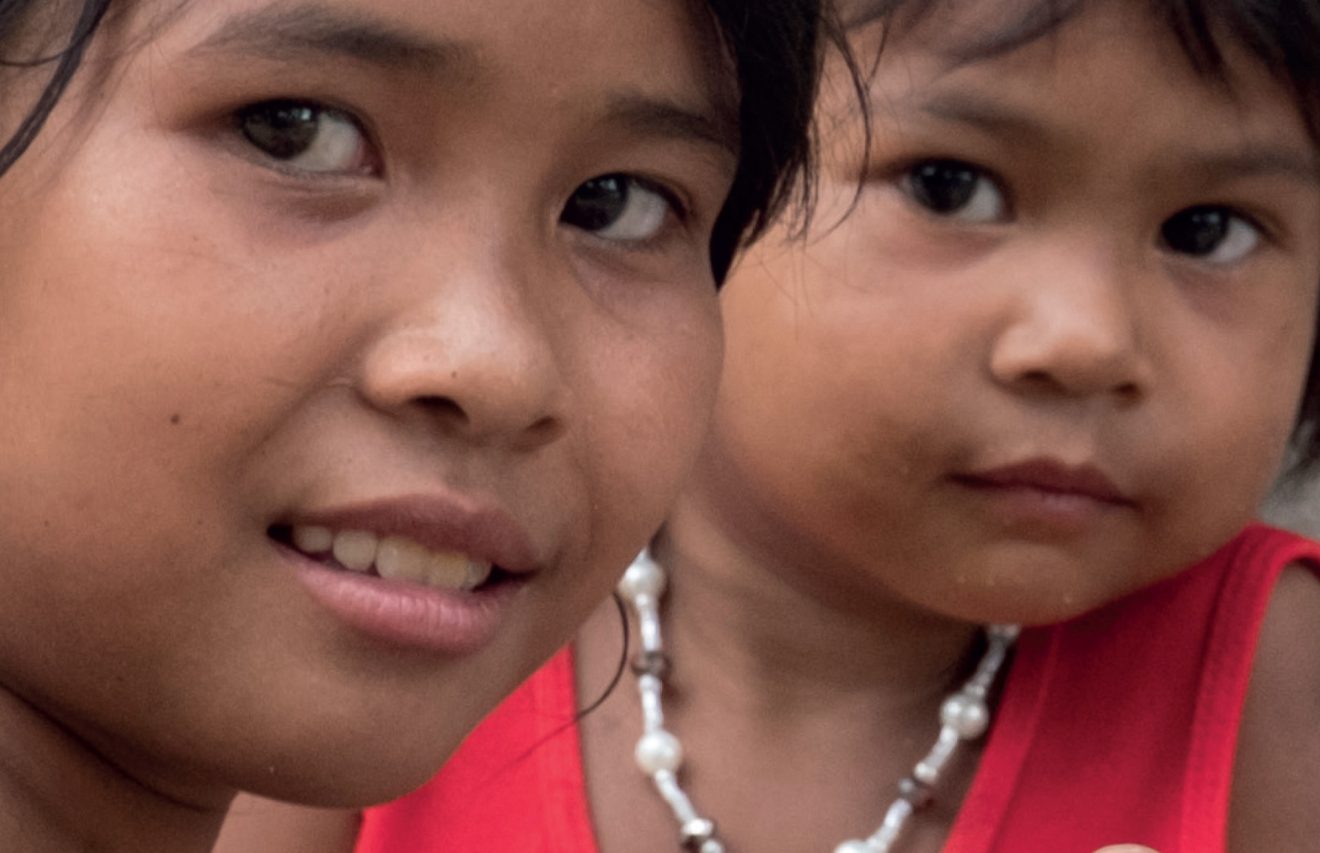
(964,716)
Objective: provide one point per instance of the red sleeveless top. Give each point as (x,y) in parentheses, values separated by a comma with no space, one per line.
(1119,726)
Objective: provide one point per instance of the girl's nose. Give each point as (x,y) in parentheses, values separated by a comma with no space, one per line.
(474,357)
(1074,330)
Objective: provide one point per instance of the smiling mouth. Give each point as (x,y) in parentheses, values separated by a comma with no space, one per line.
(391,557)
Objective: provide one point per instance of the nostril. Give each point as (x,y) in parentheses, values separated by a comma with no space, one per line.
(444,407)
(545,430)
(1128,391)
(1041,380)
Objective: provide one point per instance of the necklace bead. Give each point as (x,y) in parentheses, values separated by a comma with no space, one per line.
(644,577)
(658,750)
(964,716)
(651,663)
(698,836)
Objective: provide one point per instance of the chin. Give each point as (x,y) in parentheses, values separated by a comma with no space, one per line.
(1030,594)
(355,777)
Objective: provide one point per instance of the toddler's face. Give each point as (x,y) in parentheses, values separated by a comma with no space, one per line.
(300,295)
(1055,352)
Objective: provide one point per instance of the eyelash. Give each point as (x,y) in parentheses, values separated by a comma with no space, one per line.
(614,196)
(904,174)
(282,115)
(311,111)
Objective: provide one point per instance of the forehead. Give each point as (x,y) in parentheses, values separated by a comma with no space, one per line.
(551,50)
(1110,64)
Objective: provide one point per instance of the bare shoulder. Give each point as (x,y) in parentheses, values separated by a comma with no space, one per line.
(1274,805)
(255,825)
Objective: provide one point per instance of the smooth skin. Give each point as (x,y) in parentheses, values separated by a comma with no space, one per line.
(211,326)
(1129,282)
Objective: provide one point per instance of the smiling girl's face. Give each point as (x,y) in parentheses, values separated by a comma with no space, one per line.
(1055,351)
(417,289)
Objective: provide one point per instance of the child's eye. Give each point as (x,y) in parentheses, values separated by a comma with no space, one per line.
(307,137)
(1213,234)
(618,207)
(956,190)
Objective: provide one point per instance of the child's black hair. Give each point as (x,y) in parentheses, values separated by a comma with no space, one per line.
(1283,35)
(775,47)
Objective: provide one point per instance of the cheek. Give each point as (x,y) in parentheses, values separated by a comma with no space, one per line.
(143,372)
(824,384)
(643,420)
(1226,438)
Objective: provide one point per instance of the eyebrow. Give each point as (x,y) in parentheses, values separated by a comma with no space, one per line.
(285,31)
(1265,159)
(281,32)
(1260,161)
(961,109)
(647,115)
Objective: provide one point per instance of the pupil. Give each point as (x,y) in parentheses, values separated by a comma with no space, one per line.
(282,130)
(598,203)
(1196,232)
(944,187)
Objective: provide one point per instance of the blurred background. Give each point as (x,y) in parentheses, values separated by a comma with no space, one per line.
(1296,506)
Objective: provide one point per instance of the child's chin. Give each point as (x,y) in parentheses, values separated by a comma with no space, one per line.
(349,778)
(1030,599)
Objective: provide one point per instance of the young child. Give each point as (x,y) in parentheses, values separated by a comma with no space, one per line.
(347,350)
(1041,373)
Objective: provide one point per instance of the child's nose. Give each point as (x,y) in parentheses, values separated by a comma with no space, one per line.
(1074,329)
(475,356)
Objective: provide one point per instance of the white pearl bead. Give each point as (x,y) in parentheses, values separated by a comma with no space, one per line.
(712,846)
(658,750)
(643,578)
(697,829)
(853,847)
(967,716)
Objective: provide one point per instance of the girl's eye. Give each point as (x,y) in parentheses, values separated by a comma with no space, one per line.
(1213,234)
(955,190)
(618,207)
(307,137)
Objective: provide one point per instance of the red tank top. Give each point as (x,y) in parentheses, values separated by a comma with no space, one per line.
(1118,726)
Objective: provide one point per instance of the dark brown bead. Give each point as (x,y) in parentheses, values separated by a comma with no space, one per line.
(652,663)
(916,792)
(696,833)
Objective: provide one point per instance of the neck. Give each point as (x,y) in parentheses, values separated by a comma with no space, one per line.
(58,795)
(826,700)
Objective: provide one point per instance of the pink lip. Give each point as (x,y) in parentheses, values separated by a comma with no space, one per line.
(406,614)
(415,615)
(1044,500)
(441,523)
(1049,476)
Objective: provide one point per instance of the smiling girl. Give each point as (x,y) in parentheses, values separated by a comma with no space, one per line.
(347,351)
(1042,372)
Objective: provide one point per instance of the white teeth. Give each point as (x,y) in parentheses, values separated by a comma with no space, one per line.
(355,549)
(394,557)
(447,570)
(477,574)
(313,540)
(402,559)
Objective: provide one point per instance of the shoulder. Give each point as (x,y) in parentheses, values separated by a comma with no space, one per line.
(1273,801)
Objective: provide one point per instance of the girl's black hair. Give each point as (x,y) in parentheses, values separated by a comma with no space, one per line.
(775,47)
(65,61)
(1283,35)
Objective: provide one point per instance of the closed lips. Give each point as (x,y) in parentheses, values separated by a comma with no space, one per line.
(391,557)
